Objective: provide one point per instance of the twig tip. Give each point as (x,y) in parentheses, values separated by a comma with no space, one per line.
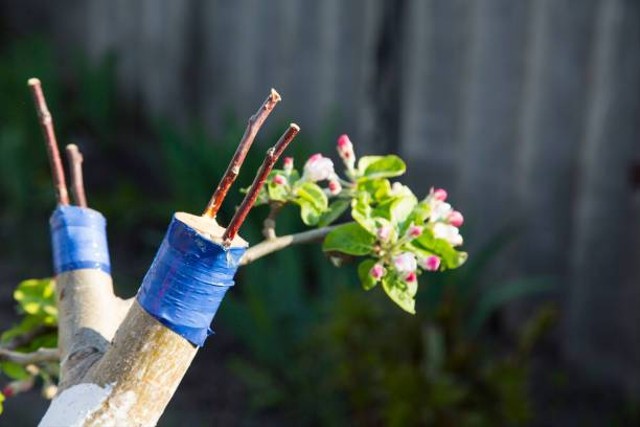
(33,81)
(294,126)
(275,95)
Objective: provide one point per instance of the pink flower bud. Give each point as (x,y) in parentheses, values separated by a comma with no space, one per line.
(279,180)
(440,194)
(334,187)
(288,164)
(318,168)
(376,272)
(384,233)
(430,263)
(405,262)
(411,277)
(414,231)
(456,219)
(345,150)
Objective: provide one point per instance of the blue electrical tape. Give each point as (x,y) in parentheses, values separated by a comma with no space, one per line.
(187,281)
(79,239)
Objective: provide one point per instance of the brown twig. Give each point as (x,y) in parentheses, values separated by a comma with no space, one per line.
(247,203)
(230,175)
(46,121)
(267,247)
(74,157)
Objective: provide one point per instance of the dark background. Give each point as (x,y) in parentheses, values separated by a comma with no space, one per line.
(527,112)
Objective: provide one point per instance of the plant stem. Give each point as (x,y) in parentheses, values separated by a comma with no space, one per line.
(46,121)
(269,223)
(267,247)
(77,183)
(41,355)
(247,203)
(230,175)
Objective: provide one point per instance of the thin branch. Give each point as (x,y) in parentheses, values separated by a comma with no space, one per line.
(46,121)
(74,157)
(269,223)
(230,175)
(42,355)
(247,203)
(269,246)
(27,337)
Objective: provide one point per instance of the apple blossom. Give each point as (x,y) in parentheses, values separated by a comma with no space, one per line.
(345,150)
(288,164)
(456,219)
(405,262)
(384,233)
(318,168)
(411,277)
(439,194)
(447,232)
(414,231)
(376,272)
(334,187)
(279,180)
(440,211)
(430,263)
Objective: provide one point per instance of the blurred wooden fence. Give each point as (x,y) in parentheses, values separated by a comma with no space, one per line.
(527,111)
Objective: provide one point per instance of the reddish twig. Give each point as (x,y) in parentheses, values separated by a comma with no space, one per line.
(247,203)
(46,122)
(230,175)
(74,157)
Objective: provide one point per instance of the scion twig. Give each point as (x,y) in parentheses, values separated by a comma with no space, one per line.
(230,175)
(74,157)
(247,203)
(46,121)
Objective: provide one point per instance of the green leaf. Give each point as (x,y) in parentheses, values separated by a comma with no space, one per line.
(312,201)
(37,297)
(361,211)
(308,212)
(363,273)
(2,398)
(350,239)
(401,208)
(400,292)
(451,258)
(312,193)
(336,208)
(14,371)
(375,167)
(378,189)
(277,192)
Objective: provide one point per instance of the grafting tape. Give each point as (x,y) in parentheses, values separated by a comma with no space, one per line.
(79,239)
(187,281)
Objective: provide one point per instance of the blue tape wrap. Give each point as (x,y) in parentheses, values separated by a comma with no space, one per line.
(187,281)
(79,239)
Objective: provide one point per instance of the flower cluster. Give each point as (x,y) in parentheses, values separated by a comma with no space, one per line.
(400,236)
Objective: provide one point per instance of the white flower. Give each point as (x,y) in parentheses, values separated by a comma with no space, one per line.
(318,168)
(440,210)
(447,232)
(405,262)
